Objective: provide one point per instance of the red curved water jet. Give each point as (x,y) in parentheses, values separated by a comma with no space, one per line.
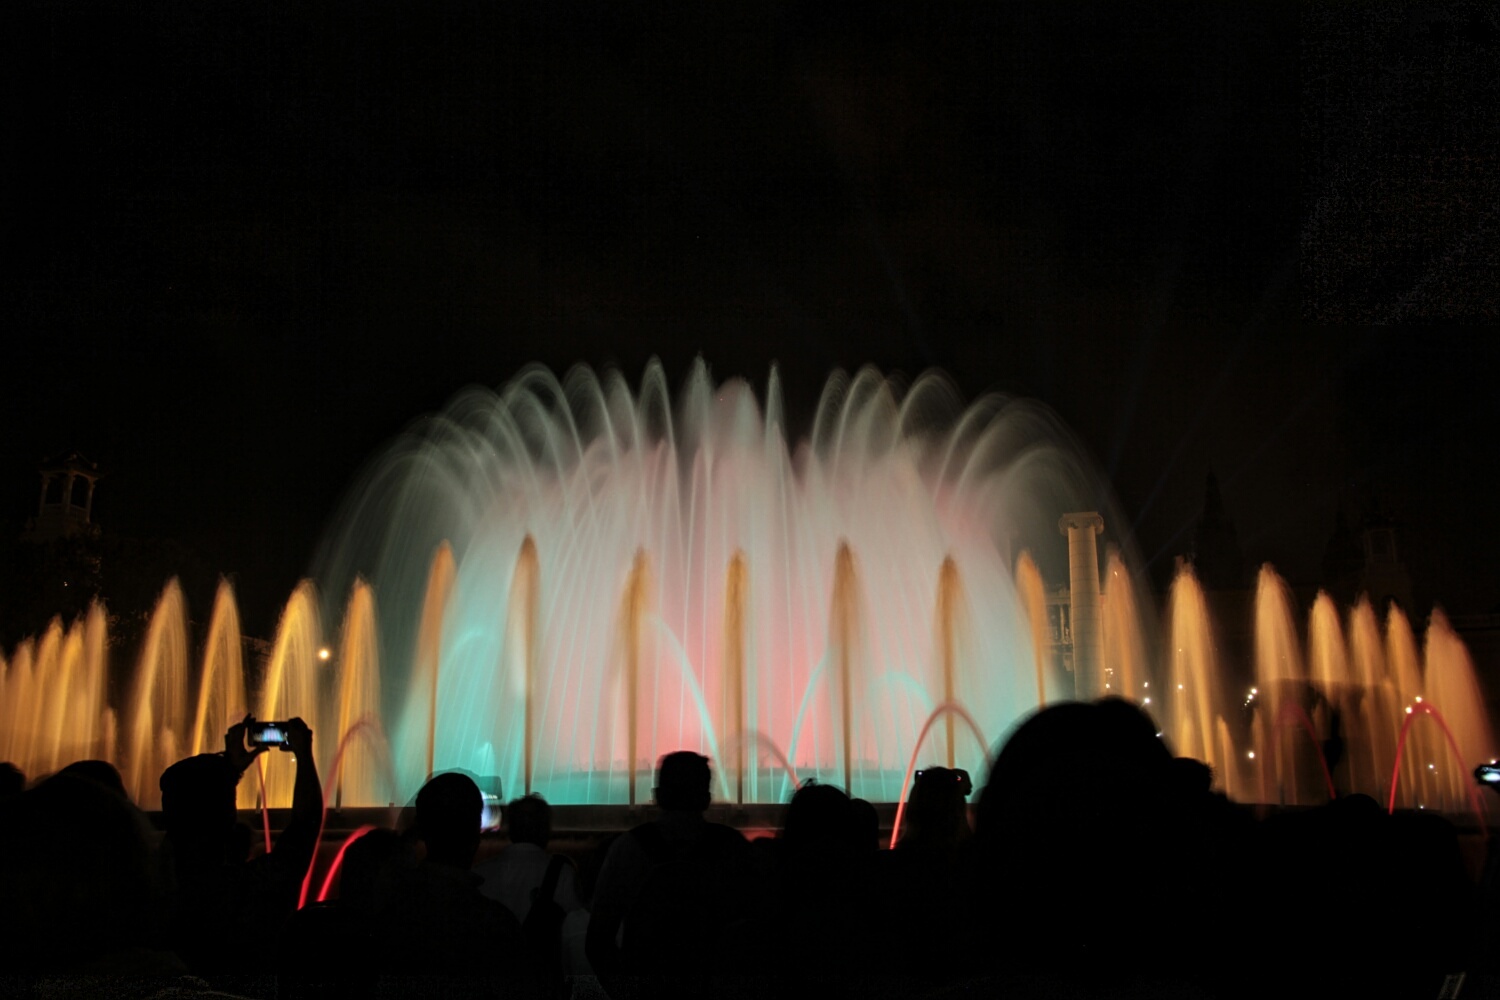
(1299,716)
(366,723)
(946,708)
(338,860)
(1422,708)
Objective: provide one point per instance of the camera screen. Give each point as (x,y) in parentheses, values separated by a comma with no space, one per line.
(269,734)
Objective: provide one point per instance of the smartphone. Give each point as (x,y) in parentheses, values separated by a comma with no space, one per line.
(270,734)
(1487,774)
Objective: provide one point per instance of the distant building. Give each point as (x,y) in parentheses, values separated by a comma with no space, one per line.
(1384,578)
(65,504)
(1366,560)
(1059,653)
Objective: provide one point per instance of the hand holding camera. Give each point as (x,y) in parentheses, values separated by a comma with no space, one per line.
(234,744)
(293,735)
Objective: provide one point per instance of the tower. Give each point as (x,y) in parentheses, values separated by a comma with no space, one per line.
(65,504)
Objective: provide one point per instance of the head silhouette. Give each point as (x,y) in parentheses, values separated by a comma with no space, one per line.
(820,822)
(1069,779)
(936,811)
(682,782)
(528,820)
(74,871)
(1074,766)
(449,809)
(197,801)
(99,771)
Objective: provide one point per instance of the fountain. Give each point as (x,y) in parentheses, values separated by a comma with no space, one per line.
(555,583)
(575,578)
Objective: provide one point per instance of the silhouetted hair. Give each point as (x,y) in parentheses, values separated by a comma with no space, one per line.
(449,808)
(682,781)
(819,820)
(528,820)
(100,771)
(935,812)
(1108,748)
(197,796)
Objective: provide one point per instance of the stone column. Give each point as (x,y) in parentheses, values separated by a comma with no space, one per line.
(1082,529)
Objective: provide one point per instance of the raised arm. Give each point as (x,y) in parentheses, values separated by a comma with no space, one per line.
(295,845)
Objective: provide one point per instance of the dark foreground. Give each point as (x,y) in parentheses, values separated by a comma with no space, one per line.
(1091,864)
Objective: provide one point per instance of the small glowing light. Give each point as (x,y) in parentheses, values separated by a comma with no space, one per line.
(1432,767)
(1106,687)
(324,653)
(1147,684)
(1251,755)
(1158,734)
(1255,690)
(1408,709)
(1146,701)
(1419,699)
(1179,687)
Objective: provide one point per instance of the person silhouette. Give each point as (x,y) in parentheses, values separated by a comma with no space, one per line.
(519,868)
(75,875)
(218,897)
(430,917)
(670,887)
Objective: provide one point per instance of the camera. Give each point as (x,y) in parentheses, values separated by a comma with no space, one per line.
(1487,774)
(269,734)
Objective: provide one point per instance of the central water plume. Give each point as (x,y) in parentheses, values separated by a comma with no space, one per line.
(575,579)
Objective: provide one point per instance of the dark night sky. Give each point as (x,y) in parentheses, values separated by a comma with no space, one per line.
(255,239)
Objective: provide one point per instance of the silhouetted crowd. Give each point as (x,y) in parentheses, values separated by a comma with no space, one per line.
(1091,863)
